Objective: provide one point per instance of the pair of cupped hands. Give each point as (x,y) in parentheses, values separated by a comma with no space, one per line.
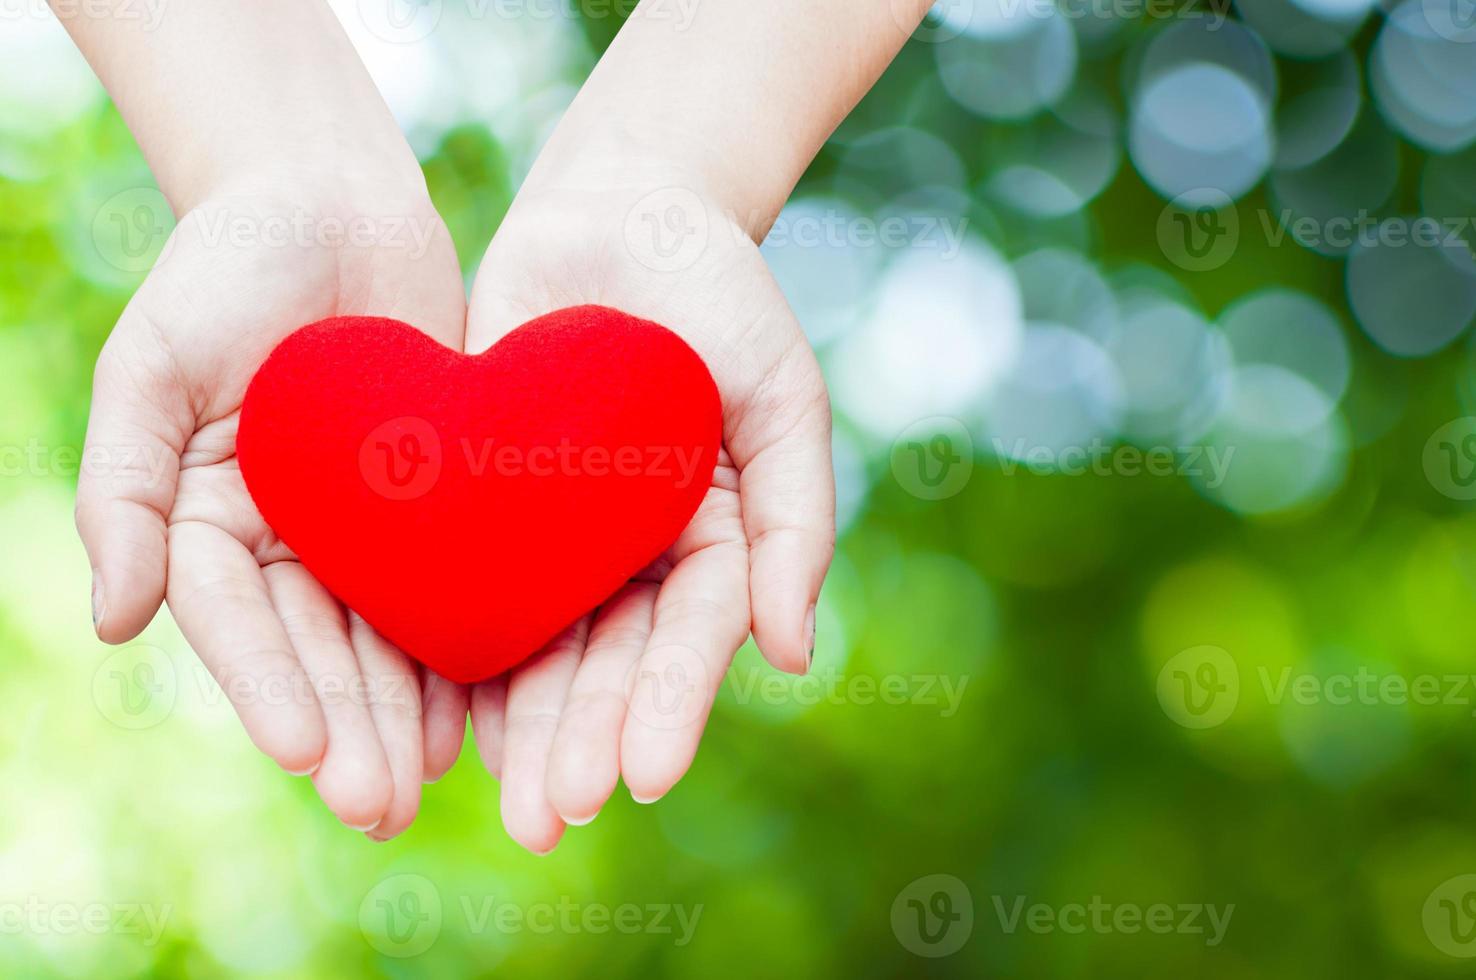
(317,689)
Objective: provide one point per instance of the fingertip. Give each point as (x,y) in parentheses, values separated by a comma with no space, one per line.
(574,821)
(127,594)
(577,799)
(784,588)
(584,765)
(127,547)
(442,749)
(488,715)
(435,768)
(533,824)
(444,710)
(783,629)
(298,747)
(491,760)
(645,793)
(649,766)
(359,791)
(401,813)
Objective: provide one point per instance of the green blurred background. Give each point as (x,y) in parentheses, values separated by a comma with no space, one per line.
(1060,695)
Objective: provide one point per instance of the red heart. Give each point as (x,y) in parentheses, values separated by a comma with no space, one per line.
(471,507)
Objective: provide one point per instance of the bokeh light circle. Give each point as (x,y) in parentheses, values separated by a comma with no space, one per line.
(1412,297)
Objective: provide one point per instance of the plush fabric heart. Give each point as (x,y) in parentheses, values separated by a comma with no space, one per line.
(471,507)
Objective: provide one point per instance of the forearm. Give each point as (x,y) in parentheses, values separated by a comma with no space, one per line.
(741,95)
(221,91)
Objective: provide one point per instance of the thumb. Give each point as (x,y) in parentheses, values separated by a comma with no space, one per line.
(137,429)
(787,488)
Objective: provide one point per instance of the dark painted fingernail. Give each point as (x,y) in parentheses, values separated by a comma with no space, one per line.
(810,637)
(99,601)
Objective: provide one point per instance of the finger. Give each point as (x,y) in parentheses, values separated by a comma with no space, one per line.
(424,289)
(354,779)
(445,707)
(787,485)
(701,619)
(488,720)
(584,762)
(500,301)
(220,600)
(393,687)
(125,488)
(535,696)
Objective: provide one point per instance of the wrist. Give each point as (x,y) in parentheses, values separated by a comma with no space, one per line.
(615,171)
(300,212)
(311,164)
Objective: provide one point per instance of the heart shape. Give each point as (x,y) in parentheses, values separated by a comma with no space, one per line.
(471,507)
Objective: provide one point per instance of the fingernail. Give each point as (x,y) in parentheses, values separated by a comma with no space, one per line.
(367,827)
(571,821)
(644,800)
(99,602)
(810,637)
(305,772)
